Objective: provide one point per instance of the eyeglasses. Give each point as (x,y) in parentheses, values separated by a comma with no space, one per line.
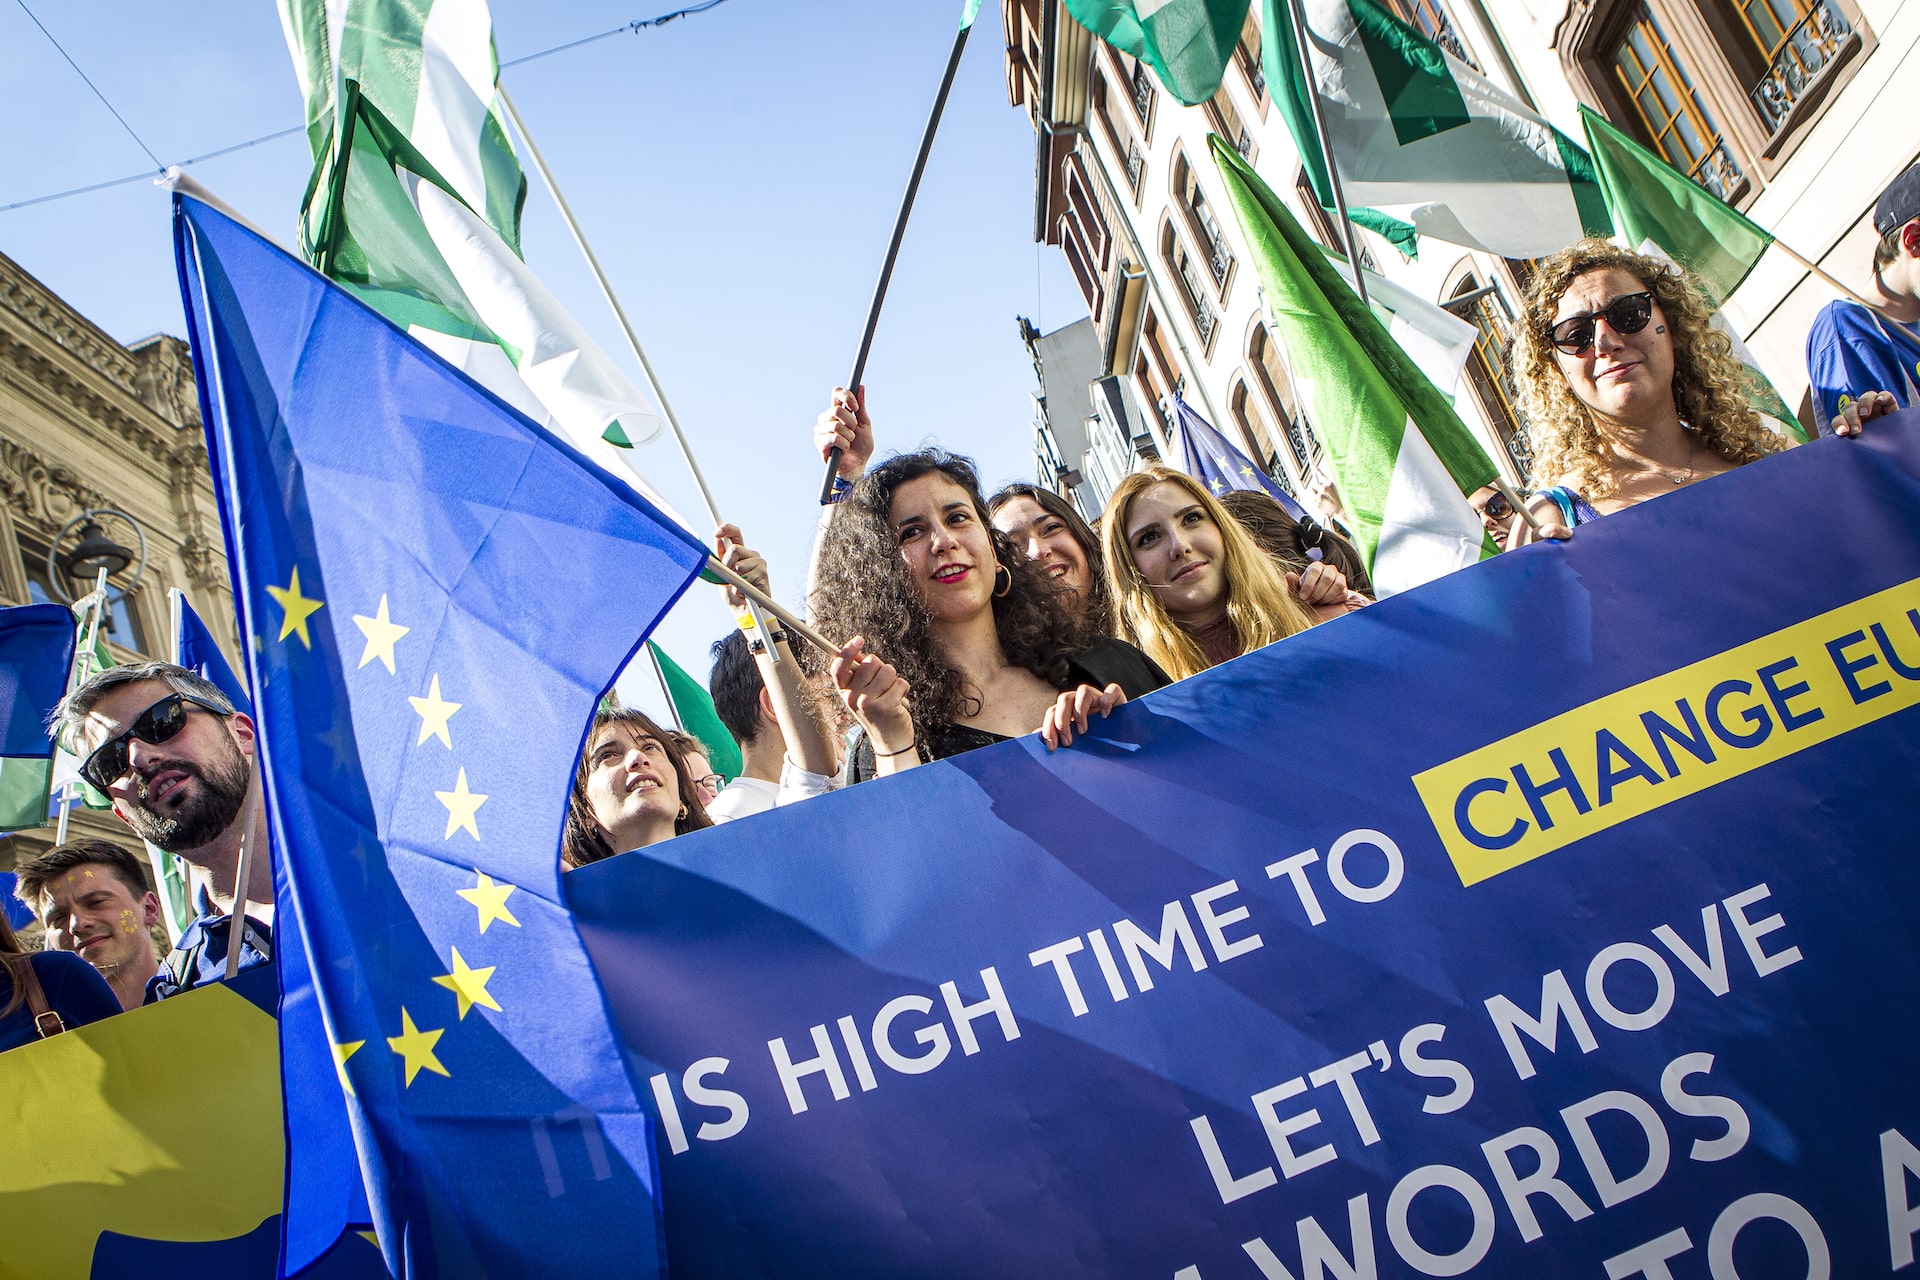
(157,724)
(715,782)
(1497,507)
(1574,335)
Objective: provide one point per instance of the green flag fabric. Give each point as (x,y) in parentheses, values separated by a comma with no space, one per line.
(693,706)
(1648,199)
(1402,458)
(1424,139)
(90,655)
(414,206)
(1188,43)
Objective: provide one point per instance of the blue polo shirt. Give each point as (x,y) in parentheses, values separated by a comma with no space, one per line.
(1850,351)
(201,955)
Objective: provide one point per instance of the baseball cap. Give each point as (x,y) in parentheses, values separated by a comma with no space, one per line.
(1899,203)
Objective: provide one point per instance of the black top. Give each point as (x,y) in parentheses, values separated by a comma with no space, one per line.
(1104,662)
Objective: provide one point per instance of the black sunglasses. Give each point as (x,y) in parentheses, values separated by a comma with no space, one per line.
(155,725)
(1497,507)
(1574,335)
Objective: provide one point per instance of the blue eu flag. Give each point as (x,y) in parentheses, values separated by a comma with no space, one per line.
(195,649)
(434,593)
(1207,456)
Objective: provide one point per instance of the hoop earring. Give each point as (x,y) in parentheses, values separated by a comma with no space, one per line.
(1000,592)
(683,814)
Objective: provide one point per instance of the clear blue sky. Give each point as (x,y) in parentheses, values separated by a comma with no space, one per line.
(737,172)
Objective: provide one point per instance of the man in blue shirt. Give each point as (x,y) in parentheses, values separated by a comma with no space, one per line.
(1852,350)
(177,761)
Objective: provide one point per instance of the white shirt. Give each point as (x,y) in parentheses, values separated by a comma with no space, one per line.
(742,798)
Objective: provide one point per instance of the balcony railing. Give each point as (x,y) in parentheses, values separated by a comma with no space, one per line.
(1719,174)
(1218,261)
(1447,38)
(1802,56)
(1136,162)
(1142,91)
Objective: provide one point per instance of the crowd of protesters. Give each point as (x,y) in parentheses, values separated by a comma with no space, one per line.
(966,620)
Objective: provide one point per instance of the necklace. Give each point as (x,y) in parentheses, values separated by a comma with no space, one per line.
(1679,478)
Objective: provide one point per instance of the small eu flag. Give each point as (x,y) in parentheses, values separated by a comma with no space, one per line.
(1208,457)
(433,592)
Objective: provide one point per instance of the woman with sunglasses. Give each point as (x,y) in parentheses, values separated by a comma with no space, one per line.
(1629,390)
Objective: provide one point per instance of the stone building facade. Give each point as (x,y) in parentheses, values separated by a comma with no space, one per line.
(86,423)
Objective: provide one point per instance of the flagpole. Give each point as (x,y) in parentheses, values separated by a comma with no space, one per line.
(1300,37)
(619,312)
(1814,267)
(666,691)
(82,672)
(899,233)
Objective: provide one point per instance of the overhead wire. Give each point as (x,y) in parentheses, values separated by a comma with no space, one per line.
(634,28)
(158,167)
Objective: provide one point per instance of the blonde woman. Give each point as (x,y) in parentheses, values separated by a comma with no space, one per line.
(1190,585)
(1629,390)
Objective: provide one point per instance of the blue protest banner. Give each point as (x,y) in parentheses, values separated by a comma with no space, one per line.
(1553,919)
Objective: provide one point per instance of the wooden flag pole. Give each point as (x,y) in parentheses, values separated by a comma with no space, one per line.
(1814,267)
(619,312)
(1301,38)
(899,232)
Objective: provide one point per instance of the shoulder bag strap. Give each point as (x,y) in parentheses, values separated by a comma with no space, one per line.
(45,1020)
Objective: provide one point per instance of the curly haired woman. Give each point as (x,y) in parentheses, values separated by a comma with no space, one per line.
(958,639)
(1629,390)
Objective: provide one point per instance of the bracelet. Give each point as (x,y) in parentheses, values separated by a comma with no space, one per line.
(888,755)
(841,488)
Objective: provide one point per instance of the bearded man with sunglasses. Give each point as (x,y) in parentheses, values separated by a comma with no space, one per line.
(176,759)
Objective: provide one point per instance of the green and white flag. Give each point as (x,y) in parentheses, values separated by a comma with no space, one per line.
(1436,340)
(419,215)
(1188,43)
(90,656)
(1422,137)
(1402,458)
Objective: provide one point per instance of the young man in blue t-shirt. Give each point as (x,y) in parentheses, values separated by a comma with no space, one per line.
(1852,350)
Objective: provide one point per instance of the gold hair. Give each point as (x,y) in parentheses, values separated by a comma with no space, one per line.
(1260,605)
(1709,383)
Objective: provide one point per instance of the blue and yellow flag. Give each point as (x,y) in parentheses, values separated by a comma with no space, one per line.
(1210,458)
(36,652)
(434,593)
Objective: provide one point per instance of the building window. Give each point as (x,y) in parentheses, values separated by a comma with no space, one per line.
(1488,372)
(1797,40)
(1654,74)
(1226,121)
(1187,272)
(1430,19)
(1154,370)
(1086,209)
(1246,55)
(1270,372)
(1201,222)
(1126,148)
(1325,229)
(1257,430)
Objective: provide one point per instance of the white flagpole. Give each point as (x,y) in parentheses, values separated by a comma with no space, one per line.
(1302,37)
(619,312)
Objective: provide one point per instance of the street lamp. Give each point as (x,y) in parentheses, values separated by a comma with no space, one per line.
(94,552)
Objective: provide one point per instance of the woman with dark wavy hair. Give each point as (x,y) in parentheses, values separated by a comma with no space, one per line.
(1629,390)
(632,788)
(1054,536)
(957,640)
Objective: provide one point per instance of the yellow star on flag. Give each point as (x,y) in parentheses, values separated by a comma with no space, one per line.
(381,633)
(461,804)
(491,899)
(470,985)
(298,609)
(341,1052)
(416,1047)
(1247,472)
(434,711)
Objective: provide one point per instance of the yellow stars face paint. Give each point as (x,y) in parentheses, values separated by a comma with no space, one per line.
(341,1052)
(127,923)
(381,633)
(461,804)
(491,899)
(415,1047)
(297,609)
(435,711)
(469,985)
